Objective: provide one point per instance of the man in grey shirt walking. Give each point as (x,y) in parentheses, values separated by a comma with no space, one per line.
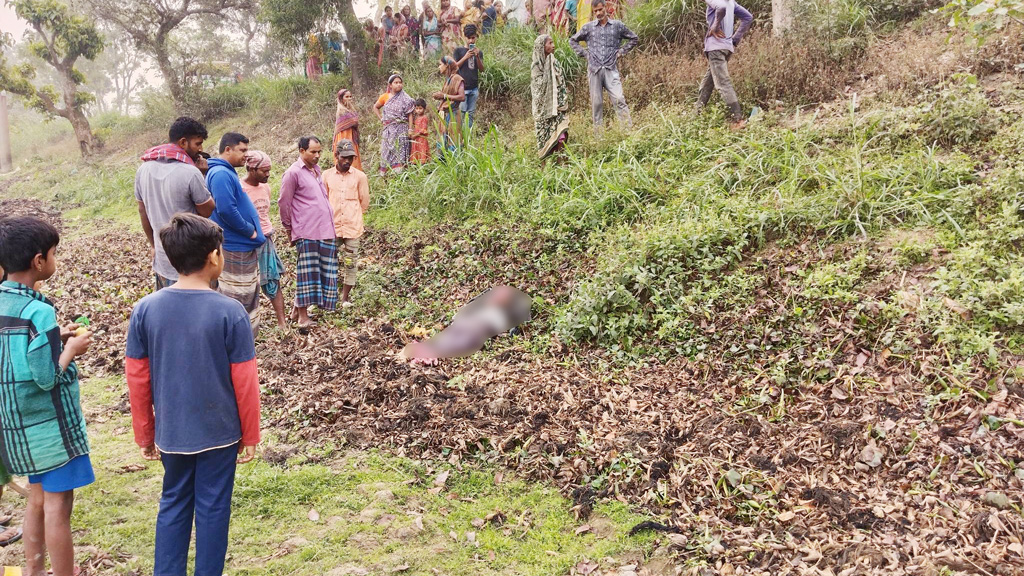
(604,48)
(168,182)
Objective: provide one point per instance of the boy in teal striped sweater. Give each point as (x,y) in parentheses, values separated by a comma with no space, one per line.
(42,430)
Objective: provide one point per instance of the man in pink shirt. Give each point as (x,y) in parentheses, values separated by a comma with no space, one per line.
(308,222)
(257,166)
(348,191)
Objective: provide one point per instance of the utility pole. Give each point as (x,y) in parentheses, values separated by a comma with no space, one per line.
(6,162)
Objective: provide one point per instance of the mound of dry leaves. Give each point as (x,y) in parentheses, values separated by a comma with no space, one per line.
(872,472)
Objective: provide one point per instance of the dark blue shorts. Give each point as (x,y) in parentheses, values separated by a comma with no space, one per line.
(75,474)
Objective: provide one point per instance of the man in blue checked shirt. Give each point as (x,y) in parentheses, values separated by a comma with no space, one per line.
(604,48)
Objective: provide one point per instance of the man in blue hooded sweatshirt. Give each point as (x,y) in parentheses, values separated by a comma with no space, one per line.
(237,216)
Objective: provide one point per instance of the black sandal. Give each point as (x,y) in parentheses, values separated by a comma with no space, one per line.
(12,539)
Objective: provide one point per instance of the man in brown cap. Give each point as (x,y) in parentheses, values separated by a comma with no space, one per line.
(348,191)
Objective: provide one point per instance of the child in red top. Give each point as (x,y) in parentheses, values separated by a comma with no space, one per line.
(195,396)
(419,134)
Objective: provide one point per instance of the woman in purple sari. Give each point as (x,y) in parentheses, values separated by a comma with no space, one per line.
(396,115)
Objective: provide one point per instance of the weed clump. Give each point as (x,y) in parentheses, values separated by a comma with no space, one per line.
(842,26)
(788,69)
(657,289)
(958,114)
(975,305)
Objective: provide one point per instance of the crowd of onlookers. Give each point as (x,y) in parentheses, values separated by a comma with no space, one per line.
(409,123)
(432,33)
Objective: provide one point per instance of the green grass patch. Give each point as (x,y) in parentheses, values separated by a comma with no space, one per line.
(80,189)
(372,511)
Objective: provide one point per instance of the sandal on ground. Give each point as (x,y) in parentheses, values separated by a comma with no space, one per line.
(10,536)
(5,519)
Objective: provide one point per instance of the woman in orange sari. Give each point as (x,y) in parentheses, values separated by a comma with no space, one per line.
(346,126)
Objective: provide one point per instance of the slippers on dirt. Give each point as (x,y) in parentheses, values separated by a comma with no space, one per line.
(6,519)
(10,536)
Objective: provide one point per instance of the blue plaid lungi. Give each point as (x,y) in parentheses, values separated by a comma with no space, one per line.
(316,274)
(270,268)
(162,282)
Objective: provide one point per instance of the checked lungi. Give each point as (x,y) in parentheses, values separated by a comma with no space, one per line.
(349,258)
(240,280)
(162,282)
(316,274)
(270,268)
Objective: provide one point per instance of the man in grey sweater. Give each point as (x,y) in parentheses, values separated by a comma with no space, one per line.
(604,48)
(724,34)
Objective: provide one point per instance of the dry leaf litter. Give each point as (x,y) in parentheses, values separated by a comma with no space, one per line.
(865,474)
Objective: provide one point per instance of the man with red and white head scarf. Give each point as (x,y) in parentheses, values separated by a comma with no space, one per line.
(168,182)
(257,166)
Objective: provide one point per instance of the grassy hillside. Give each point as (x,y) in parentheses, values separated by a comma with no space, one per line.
(801,344)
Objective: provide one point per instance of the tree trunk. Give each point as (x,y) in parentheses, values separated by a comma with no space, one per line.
(174,83)
(6,161)
(782,16)
(359,50)
(73,110)
(83,132)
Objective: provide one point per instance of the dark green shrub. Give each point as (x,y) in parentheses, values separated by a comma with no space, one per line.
(890,12)
(683,22)
(841,25)
(789,69)
(958,114)
(256,94)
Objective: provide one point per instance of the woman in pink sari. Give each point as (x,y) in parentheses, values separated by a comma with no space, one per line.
(540,12)
(400,35)
(314,57)
(451,34)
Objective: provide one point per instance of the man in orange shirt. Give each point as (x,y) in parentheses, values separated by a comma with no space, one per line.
(348,191)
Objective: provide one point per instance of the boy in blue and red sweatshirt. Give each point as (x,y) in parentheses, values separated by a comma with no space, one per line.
(194,394)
